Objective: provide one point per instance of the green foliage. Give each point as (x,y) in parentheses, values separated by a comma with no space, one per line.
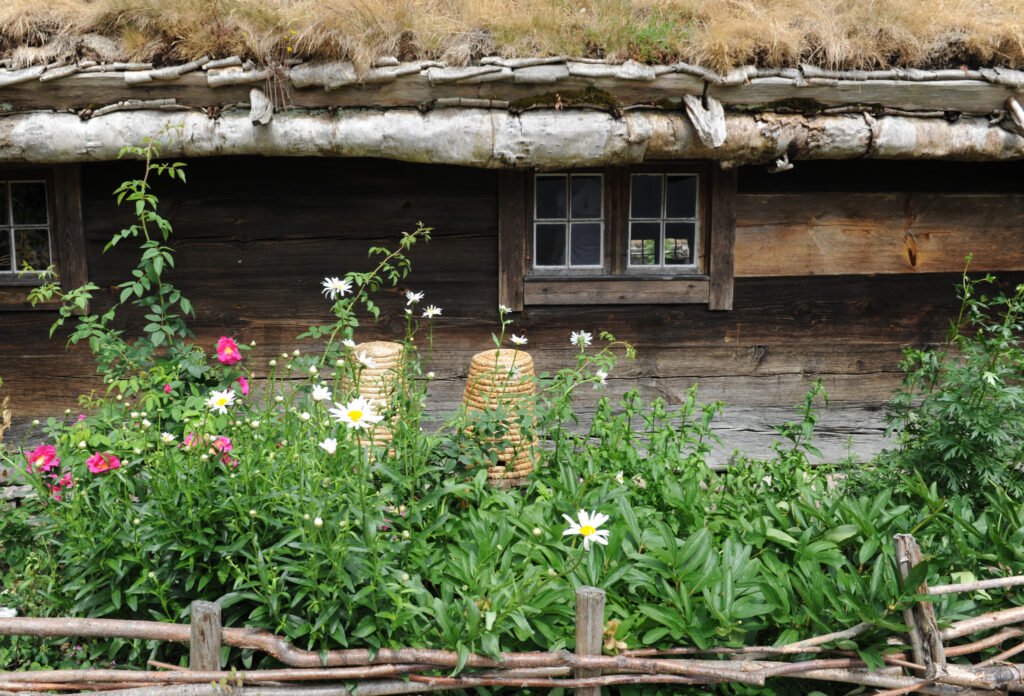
(959,414)
(274,505)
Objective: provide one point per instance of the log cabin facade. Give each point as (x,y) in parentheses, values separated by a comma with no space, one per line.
(749,233)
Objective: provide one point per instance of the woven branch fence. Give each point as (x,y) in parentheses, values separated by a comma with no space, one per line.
(925,669)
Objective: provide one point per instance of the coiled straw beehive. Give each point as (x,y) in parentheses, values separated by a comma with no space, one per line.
(505,378)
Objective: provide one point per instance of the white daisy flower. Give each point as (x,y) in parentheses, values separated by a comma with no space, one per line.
(358,414)
(366,360)
(431,312)
(321,393)
(348,343)
(588,527)
(146,423)
(330,445)
(602,378)
(583,339)
(519,340)
(412,297)
(219,401)
(619,477)
(166,438)
(336,287)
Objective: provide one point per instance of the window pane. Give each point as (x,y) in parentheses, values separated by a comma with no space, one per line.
(551,197)
(645,196)
(586,197)
(679,238)
(32,247)
(5,250)
(681,196)
(4,218)
(549,249)
(29,200)
(586,243)
(643,243)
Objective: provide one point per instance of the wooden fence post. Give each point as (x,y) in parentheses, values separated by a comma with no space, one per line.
(589,632)
(925,639)
(204,645)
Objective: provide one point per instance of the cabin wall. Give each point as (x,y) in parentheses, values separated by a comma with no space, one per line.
(839,267)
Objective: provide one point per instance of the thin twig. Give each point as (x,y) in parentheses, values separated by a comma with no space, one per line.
(1010,581)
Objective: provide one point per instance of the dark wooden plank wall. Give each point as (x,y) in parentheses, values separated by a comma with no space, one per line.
(254,237)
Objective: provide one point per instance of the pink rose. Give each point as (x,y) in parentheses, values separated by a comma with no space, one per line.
(223,444)
(42,459)
(167,388)
(98,463)
(243,385)
(227,351)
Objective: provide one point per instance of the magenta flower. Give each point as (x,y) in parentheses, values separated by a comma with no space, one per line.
(227,350)
(42,459)
(81,417)
(226,460)
(98,463)
(59,484)
(223,444)
(243,386)
(167,388)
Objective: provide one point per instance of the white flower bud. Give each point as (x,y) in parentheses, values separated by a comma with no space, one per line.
(318,522)
(405,577)
(306,516)
(35,421)
(152,575)
(82,445)
(67,412)
(119,397)
(252,513)
(312,369)
(405,534)
(278,398)
(536,531)
(273,363)
(295,352)
(137,450)
(136,521)
(304,416)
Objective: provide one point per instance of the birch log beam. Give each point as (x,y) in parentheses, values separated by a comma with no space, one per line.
(544,139)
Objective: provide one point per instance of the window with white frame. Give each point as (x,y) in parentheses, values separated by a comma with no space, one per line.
(663,221)
(568,221)
(25,239)
(646,234)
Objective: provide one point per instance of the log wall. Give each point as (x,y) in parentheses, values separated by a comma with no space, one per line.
(826,287)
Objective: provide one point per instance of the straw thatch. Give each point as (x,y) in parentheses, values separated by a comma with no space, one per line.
(715,33)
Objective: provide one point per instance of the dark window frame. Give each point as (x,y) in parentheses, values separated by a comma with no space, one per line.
(67,239)
(709,282)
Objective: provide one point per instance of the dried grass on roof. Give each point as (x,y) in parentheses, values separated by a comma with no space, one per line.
(715,33)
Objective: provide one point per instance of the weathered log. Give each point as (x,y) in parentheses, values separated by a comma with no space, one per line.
(546,139)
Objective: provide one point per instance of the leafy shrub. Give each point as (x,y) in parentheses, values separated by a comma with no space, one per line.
(959,414)
(183,484)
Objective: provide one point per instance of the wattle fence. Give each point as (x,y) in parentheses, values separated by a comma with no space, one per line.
(924,668)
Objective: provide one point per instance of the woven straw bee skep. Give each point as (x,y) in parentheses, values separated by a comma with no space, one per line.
(504,378)
(378,381)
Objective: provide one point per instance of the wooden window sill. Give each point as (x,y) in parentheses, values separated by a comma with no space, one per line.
(616,290)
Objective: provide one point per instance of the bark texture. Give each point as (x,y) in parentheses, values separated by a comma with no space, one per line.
(545,139)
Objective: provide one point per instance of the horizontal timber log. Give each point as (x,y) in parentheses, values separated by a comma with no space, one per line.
(496,139)
(843,233)
(961,95)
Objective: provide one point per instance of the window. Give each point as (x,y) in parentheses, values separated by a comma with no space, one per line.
(40,225)
(24,227)
(650,234)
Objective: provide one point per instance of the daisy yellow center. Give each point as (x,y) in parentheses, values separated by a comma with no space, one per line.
(222,401)
(355,415)
(587,530)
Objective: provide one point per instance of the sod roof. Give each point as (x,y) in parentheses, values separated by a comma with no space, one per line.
(718,34)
